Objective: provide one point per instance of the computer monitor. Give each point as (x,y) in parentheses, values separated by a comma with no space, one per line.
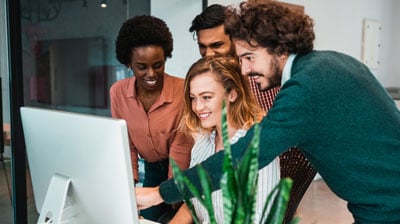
(80,167)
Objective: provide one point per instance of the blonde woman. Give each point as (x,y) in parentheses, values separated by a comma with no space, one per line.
(209,82)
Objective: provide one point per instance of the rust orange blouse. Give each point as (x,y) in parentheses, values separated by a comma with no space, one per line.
(153,135)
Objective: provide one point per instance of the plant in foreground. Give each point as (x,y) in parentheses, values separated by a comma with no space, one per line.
(239,187)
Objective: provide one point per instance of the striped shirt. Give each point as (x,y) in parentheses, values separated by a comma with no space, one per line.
(268,178)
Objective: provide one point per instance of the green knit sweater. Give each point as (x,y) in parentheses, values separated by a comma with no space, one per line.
(344,122)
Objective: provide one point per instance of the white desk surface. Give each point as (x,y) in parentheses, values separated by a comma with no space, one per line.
(146,221)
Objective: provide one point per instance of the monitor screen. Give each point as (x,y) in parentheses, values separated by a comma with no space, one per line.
(80,167)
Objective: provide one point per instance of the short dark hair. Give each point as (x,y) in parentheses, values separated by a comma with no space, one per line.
(142,31)
(212,16)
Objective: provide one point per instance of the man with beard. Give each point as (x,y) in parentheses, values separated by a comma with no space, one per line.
(212,39)
(330,105)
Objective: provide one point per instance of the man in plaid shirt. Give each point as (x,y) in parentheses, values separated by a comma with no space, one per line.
(212,39)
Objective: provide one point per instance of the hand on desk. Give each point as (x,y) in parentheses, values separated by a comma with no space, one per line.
(147,197)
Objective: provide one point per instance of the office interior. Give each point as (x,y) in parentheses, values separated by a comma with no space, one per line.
(60,54)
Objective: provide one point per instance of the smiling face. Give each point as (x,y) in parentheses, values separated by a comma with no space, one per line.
(207,96)
(265,68)
(214,41)
(148,64)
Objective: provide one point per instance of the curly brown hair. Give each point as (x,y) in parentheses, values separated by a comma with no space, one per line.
(272,26)
(142,31)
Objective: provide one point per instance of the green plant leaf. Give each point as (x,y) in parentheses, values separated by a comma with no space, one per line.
(181,180)
(277,212)
(239,186)
(227,166)
(229,179)
(225,135)
(228,200)
(206,200)
(267,203)
(248,173)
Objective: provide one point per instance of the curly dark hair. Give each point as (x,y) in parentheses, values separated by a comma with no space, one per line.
(212,16)
(272,26)
(142,31)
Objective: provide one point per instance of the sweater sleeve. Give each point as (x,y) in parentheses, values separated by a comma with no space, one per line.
(286,125)
(169,191)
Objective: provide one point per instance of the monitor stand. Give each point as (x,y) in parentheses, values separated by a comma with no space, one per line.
(57,208)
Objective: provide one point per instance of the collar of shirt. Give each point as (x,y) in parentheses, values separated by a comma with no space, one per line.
(238,134)
(286,74)
(167,93)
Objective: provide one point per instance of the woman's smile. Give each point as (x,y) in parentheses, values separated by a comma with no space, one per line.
(204,116)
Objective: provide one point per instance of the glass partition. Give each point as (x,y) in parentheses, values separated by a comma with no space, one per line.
(68,52)
(61,56)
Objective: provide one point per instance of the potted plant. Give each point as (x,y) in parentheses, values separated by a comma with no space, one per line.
(239,186)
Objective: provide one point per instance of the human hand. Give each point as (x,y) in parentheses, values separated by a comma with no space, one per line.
(147,197)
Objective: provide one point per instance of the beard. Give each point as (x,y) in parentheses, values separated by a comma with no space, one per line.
(273,81)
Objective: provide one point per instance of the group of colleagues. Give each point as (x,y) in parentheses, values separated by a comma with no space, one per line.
(329,106)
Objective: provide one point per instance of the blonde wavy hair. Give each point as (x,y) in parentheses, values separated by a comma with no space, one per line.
(242,113)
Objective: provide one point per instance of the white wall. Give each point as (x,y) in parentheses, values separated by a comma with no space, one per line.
(338,26)
(178,14)
(394,57)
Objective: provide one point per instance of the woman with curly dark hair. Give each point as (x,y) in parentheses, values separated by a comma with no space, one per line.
(330,105)
(151,103)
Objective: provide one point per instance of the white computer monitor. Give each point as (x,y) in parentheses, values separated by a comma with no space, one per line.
(80,167)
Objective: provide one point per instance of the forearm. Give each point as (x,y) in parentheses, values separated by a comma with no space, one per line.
(147,197)
(213,165)
(183,216)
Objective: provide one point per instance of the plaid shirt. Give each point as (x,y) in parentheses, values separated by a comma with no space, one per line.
(264,98)
(293,163)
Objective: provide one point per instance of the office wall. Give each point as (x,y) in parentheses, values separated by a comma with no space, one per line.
(394,72)
(338,26)
(178,14)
